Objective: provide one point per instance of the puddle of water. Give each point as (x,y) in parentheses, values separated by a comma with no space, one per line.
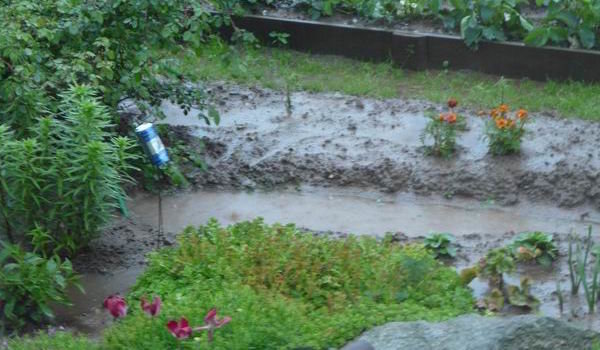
(359,213)
(87,314)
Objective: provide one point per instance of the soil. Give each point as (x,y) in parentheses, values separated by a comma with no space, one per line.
(337,140)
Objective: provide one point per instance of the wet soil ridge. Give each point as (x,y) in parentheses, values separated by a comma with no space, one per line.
(338,140)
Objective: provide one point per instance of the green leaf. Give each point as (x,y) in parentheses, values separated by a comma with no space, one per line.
(537,37)
(587,37)
(214,115)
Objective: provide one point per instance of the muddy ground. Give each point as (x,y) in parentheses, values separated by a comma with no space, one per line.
(344,165)
(337,140)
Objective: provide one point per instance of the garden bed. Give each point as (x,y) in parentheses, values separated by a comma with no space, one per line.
(337,140)
(421,50)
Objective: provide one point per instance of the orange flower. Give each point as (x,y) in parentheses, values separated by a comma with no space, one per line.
(451,118)
(503,108)
(522,114)
(494,113)
(442,117)
(452,103)
(501,123)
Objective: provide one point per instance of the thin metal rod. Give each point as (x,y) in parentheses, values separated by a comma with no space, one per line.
(160,211)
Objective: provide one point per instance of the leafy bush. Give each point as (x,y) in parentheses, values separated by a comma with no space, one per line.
(441,244)
(61,184)
(47,45)
(494,20)
(285,289)
(573,23)
(536,246)
(30,283)
(504,133)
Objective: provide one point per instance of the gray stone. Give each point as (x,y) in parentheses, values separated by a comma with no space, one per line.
(358,345)
(475,332)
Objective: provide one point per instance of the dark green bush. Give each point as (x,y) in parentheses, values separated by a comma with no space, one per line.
(47,45)
(62,184)
(285,289)
(30,282)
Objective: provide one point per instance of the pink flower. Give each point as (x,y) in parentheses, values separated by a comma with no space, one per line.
(212,322)
(116,305)
(181,329)
(153,308)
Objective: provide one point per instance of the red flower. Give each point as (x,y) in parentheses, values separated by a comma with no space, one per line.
(452,103)
(153,308)
(212,322)
(116,305)
(181,329)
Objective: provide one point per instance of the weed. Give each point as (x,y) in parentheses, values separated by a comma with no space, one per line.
(578,259)
(496,263)
(441,244)
(537,246)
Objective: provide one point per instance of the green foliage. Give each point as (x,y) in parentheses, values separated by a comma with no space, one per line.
(493,20)
(442,130)
(521,296)
(578,259)
(536,246)
(573,23)
(504,133)
(279,38)
(31,282)
(58,341)
(61,185)
(441,244)
(285,289)
(496,263)
(47,45)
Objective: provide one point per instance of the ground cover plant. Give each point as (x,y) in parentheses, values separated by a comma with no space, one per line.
(284,289)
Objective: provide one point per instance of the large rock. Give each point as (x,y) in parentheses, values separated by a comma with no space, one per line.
(475,332)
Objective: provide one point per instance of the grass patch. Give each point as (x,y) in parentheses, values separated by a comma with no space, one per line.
(58,341)
(285,289)
(270,67)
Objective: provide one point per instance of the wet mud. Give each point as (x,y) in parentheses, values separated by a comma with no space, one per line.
(339,165)
(342,141)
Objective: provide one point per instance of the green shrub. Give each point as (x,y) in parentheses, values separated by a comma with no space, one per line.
(29,284)
(61,184)
(47,45)
(285,289)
